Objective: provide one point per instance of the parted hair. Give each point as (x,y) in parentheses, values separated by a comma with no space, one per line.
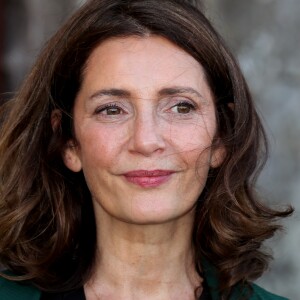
(47,224)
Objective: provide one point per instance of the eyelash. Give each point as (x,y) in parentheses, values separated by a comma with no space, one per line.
(101,109)
(186,104)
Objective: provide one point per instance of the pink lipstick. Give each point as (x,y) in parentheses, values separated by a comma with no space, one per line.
(145,178)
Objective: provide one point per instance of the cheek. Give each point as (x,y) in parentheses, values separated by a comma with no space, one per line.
(192,143)
(100,144)
(192,137)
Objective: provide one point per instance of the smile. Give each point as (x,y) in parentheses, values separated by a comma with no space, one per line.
(145,178)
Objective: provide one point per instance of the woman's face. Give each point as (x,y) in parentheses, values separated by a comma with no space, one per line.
(144,122)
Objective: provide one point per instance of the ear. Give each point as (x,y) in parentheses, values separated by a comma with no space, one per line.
(56,119)
(71,157)
(70,154)
(218,156)
(231,105)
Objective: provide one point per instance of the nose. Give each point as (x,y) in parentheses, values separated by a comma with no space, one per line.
(147,136)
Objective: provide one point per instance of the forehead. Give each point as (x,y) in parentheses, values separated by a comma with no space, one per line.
(152,59)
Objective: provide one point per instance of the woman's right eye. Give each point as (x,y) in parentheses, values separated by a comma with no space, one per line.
(109,110)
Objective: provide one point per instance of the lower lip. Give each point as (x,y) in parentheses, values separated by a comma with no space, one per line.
(151,181)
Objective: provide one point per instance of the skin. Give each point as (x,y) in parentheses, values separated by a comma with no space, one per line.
(144,104)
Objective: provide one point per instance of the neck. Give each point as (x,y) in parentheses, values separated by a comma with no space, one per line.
(144,261)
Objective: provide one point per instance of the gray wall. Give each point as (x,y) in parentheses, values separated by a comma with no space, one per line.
(264,34)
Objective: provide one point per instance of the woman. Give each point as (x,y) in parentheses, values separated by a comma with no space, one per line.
(128,160)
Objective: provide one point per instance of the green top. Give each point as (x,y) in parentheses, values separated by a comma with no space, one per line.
(258,293)
(11,290)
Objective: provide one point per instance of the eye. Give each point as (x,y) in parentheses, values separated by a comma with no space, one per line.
(110,110)
(183,108)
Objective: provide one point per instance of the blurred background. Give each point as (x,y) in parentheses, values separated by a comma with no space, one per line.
(265,37)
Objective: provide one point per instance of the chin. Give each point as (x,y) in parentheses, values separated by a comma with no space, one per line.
(158,215)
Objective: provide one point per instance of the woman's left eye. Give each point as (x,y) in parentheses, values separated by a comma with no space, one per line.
(183,108)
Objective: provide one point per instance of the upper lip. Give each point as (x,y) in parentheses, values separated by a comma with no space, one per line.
(148,173)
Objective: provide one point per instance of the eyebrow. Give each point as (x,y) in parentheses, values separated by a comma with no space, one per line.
(170,91)
(110,92)
(179,90)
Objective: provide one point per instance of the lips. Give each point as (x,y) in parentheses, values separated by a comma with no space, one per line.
(148,178)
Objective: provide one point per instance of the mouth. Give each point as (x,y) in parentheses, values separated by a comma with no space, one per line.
(148,178)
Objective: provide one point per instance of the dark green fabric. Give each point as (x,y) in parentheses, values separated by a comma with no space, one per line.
(10,290)
(239,292)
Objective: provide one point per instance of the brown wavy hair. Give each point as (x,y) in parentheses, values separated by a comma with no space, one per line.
(47,227)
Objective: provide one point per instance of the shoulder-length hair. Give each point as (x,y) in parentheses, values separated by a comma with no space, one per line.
(46,217)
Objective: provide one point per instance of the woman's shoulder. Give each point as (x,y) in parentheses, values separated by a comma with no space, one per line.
(252,292)
(239,291)
(13,290)
(261,294)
